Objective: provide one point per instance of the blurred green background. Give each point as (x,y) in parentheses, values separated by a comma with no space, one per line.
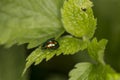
(108,16)
(107,12)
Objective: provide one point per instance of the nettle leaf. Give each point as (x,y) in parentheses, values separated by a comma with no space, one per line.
(29,21)
(96,49)
(68,45)
(78,18)
(113,76)
(88,71)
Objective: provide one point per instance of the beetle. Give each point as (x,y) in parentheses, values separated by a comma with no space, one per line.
(50,44)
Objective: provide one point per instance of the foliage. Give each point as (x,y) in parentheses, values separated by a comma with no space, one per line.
(30,22)
(34,21)
(66,48)
(96,50)
(78,19)
(93,71)
(88,71)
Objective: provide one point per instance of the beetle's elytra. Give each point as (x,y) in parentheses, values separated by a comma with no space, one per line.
(50,44)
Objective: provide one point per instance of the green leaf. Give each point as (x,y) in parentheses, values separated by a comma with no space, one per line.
(29,21)
(68,45)
(88,71)
(78,18)
(113,76)
(96,49)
